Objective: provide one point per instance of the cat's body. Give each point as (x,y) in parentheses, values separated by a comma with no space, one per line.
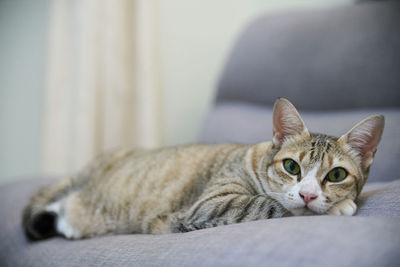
(128,191)
(192,187)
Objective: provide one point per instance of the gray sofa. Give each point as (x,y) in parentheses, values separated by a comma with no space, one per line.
(337,65)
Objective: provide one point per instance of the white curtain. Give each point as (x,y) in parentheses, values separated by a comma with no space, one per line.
(103,87)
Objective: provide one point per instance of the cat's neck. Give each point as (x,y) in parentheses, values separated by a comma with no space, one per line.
(256,162)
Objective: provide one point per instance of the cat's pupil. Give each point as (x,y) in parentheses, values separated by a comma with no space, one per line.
(336,174)
(292,166)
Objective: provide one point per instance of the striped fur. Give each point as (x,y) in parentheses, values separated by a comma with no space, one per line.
(192,187)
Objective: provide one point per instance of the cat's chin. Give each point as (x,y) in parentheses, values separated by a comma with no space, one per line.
(303,212)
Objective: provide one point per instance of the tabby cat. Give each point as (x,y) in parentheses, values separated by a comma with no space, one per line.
(192,187)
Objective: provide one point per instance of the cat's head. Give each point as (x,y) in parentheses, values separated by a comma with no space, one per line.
(311,172)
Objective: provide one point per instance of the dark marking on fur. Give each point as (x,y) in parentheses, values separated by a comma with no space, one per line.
(213,213)
(262,206)
(313,144)
(246,209)
(330,160)
(323,184)
(345,185)
(42,226)
(209,199)
(260,183)
(283,176)
(181,228)
(271,212)
(226,207)
(230,183)
(301,156)
(328,147)
(312,150)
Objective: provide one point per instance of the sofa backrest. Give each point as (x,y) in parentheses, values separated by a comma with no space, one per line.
(337,65)
(326,58)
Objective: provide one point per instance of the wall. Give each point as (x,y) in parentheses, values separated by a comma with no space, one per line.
(22,53)
(195,39)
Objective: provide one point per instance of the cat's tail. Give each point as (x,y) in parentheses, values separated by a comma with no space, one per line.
(38,221)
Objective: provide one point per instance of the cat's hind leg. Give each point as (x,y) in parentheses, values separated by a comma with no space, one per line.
(39,222)
(67,216)
(80,217)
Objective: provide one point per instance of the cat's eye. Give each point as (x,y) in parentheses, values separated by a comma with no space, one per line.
(336,175)
(291,166)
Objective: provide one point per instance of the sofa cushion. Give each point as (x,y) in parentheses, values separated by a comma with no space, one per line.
(380,199)
(239,122)
(293,241)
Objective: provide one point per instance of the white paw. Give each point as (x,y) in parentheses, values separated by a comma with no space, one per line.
(345,207)
(64,228)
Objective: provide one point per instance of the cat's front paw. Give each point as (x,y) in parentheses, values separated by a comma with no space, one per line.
(345,207)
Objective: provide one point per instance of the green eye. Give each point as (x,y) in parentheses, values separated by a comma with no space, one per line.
(291,166)
(336,175)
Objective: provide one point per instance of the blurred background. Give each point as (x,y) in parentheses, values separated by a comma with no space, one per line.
(78,77)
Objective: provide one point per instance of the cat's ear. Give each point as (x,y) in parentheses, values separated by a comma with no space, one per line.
(287,122)
(364,138)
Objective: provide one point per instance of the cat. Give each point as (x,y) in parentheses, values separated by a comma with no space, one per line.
(190,187)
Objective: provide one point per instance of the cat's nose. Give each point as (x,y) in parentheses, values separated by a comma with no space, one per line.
(307,196)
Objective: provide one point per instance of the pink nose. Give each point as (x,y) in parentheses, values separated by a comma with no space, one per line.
(307,197)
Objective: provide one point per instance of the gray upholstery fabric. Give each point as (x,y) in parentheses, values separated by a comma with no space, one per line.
(295,241)
(326,58)
(247,123)
(380,199)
